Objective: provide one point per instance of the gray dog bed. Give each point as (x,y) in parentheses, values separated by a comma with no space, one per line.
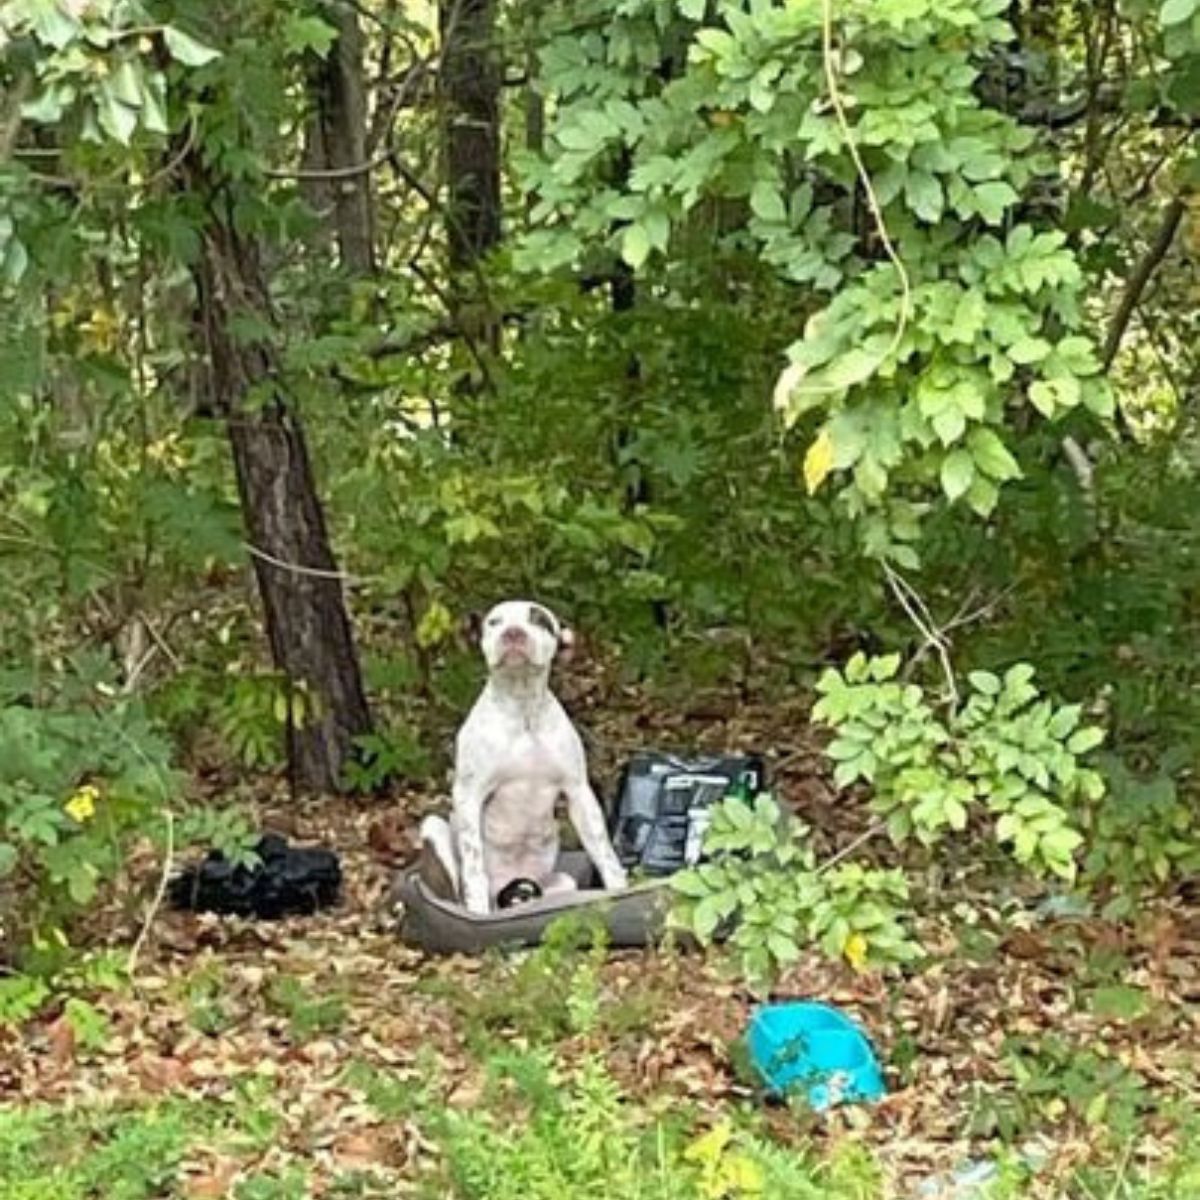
(634,916)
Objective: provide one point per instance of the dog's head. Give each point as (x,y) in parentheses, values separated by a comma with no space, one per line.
(521,635)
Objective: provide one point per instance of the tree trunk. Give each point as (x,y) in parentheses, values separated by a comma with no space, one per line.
(307,624)
(470,98)
(336,141)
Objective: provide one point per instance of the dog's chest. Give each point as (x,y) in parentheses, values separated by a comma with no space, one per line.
(530,759)
(526,783)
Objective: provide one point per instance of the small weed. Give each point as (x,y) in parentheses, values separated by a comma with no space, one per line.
(205,993)
(1057,1083)
(308,1010)
(291,1184)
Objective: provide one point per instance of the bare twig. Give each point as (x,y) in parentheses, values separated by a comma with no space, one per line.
(1157,250)
(163,880)
(850,847)
(965,616)
(317,173)
(920,616)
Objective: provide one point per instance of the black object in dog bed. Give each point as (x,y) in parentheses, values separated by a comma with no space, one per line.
(287,880)
(634,916)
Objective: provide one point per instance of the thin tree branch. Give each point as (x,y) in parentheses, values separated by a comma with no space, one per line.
(917,612)
(1136,284)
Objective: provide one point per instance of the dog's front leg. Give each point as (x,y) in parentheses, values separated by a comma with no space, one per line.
(467,822)
(588,818)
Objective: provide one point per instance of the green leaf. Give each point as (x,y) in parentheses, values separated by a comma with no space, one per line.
(1078,355)
(783,948)
(81,884)
(1042,397)
(8,858)
(707,917)
(924,195)
(985,682)
(689,883)
(993,200)
(47,107)
(126,82)
(843,749)
(658,228)
(1175,12)
(635,245)
(694,10)
(982,496)
(1085,739)
(958,470)
(949,425)
(116,119)
(992,456)
(1120,1002)
(302,34)
(766,202)
(186,49)
(885,668)
(1029,350)
(52,24)
(154,107)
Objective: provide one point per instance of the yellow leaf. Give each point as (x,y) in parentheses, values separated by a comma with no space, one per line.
(435,625)
(856,951)
(82,804)
(708,1147)
(744,1175)
(818,461)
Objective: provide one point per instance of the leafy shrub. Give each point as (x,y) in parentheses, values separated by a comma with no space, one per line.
(765,884)
(1006,751)
(1141,833)
(75,785)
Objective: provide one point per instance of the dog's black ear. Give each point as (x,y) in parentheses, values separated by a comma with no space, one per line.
(471,627)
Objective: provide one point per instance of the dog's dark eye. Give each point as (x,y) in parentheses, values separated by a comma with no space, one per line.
(542,619)
(493,621)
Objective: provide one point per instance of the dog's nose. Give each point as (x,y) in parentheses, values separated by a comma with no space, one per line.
(514,634)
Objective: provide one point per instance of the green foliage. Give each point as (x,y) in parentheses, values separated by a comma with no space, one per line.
(205,992)
(764,885)
(912,389)
(1006,752)
(75,786)
(1140,833)
(554,991)
(311,1007)
(132,1157)
(251,715)
(1057,1082)
(576,1135)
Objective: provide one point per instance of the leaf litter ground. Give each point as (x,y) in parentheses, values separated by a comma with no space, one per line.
(1074,1040)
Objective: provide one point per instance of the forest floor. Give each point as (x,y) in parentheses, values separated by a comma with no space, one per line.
(313,1043)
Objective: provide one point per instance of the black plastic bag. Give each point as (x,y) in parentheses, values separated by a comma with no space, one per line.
(286,881)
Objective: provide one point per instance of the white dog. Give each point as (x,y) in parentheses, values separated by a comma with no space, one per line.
(516,755)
